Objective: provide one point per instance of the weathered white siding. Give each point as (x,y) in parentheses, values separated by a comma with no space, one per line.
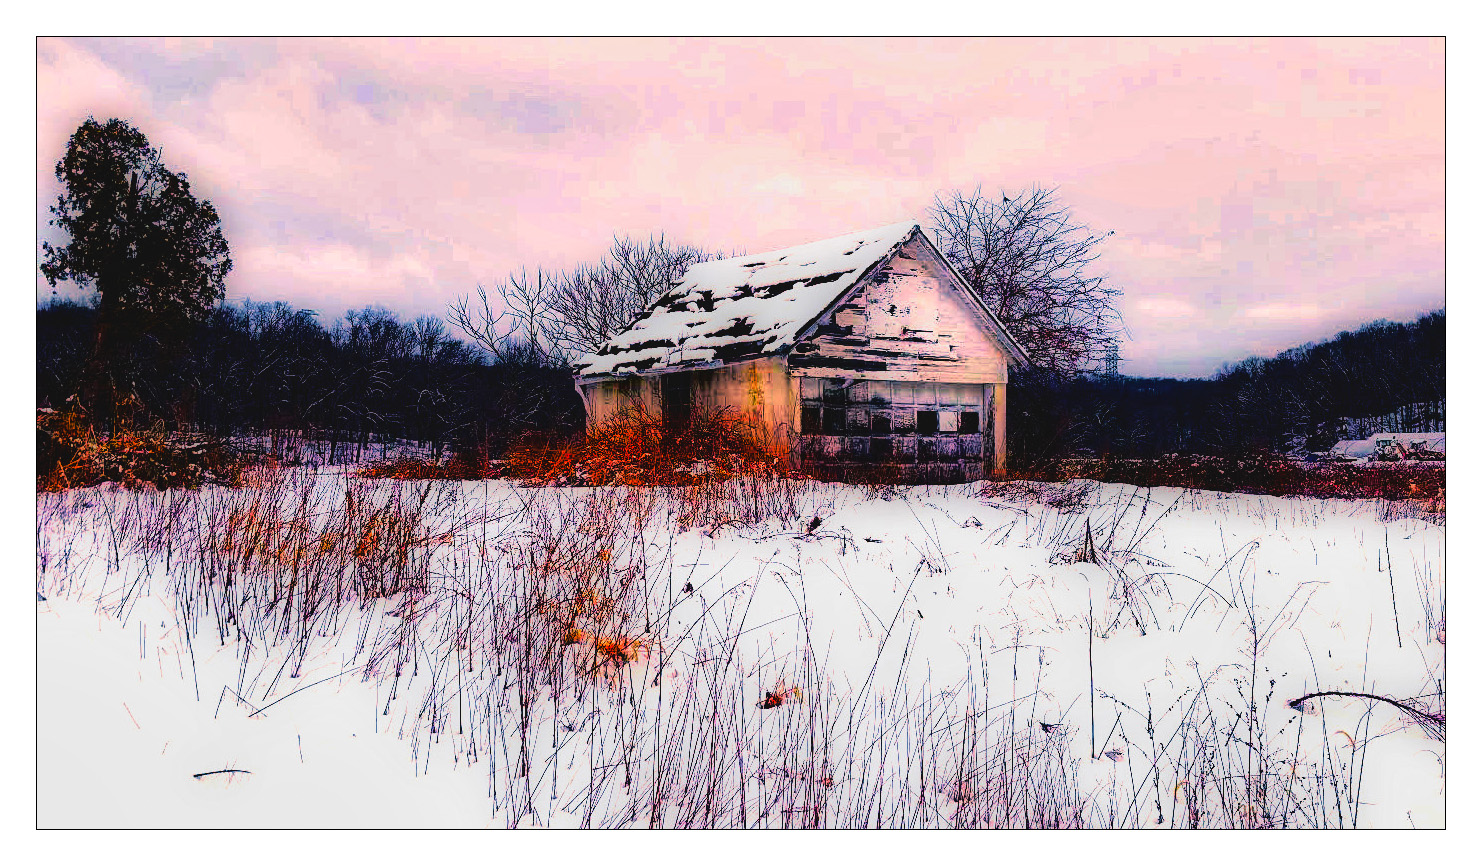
(910,322)
(760,392)
(605,399)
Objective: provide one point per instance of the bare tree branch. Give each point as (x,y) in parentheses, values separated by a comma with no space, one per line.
(522,331)
(551,317)
(1034,267)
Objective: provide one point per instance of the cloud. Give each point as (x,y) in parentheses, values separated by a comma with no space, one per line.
(331,278)
(1287,312)
(1233,171)
(1164,307)
(73,84)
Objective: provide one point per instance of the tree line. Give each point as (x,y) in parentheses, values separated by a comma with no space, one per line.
(1300,400)
(261,368)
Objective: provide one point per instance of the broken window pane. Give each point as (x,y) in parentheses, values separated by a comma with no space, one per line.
(969,423)
(926,422)
(812,420)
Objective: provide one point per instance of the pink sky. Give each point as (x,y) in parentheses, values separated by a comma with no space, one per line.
(1263,193)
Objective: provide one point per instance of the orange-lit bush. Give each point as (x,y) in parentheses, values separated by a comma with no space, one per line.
(716,470)
(374,543)
(462,466)
(636,449)
(70,453)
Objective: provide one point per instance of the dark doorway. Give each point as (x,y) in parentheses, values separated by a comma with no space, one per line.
(676,397)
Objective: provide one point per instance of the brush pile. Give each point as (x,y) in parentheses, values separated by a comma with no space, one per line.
(637,449)
(70,453)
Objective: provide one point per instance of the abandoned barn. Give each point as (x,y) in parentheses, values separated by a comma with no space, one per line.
(866,351)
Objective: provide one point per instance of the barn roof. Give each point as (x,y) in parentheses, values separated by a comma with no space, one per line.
(746,307)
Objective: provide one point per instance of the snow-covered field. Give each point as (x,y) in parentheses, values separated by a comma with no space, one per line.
(383,653)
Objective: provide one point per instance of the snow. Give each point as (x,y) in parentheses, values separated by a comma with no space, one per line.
(901,615)
(133,727)
(756,304)
(1362,448)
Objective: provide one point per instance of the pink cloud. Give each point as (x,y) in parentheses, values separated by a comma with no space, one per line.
(1287,312)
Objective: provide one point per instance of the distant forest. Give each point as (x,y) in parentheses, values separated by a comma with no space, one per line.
(255,368)
(1302,400)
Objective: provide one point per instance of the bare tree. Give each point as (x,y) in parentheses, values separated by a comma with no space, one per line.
(598,300)
(524,331)
(430,335)
(1033,265)
(550,318)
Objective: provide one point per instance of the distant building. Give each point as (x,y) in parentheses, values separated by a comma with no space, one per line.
(1393,446)
(866,350)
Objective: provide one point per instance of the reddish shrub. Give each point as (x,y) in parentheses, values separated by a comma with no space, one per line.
(636,449)
(70,453)
(462,466)
(1264,474)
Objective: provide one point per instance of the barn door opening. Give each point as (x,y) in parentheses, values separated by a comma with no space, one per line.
(675,388)
(990,445)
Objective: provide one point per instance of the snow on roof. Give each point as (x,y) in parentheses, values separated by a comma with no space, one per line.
(744,307)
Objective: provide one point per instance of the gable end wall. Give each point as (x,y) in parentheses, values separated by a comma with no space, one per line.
(909,323)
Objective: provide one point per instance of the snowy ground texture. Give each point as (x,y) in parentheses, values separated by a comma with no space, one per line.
(320,650)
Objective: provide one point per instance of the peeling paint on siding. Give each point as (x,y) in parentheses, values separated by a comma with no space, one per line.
(900,373)
(908,322)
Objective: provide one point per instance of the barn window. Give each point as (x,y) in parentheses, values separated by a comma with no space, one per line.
(926,425)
